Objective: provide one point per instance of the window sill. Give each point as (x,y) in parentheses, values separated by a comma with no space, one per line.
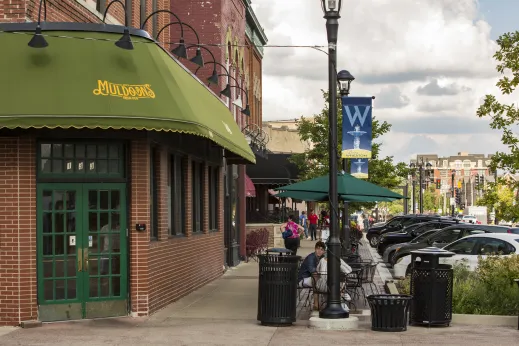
(176,236)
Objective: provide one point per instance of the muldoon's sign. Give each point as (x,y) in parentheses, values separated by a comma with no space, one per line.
(124,91)
(356,127)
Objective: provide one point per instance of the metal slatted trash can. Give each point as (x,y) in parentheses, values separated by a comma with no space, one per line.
(277,291)
(389,312)
(431,287)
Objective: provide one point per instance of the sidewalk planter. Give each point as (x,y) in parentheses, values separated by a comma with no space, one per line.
(389,312)
(277,291)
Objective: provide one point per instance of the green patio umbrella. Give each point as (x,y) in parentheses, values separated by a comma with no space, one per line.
(348,187)
(323,197)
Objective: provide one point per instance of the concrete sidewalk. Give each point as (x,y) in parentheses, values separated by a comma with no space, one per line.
(224,313)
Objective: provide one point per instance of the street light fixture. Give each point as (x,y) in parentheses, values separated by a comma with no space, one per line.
(334,309)
(421,171)
(345,78)
(38,41)
(181,49)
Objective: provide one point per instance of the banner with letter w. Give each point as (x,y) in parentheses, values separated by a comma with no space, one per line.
(356,127)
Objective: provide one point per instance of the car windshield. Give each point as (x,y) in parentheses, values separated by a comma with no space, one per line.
(423,236)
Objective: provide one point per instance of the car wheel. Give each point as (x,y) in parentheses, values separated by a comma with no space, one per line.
(390,258)
(374,241)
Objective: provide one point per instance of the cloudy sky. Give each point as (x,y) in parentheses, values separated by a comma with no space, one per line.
(428,62)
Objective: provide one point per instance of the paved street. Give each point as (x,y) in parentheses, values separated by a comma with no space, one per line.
(224,313)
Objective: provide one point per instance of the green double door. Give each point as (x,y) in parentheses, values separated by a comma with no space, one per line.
(82,251)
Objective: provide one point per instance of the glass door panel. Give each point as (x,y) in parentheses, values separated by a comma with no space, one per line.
(82,251)
(106,253)
(59,240)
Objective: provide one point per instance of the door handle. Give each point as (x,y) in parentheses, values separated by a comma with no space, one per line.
(85,258)
(79,260)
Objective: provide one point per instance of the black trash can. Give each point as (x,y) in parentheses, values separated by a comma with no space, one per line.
(389,312)
(277,291)
(431,287)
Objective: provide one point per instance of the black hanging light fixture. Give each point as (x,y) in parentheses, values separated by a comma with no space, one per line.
(180,50)
(125,42)
(226,91)
(38,41)
(214,76)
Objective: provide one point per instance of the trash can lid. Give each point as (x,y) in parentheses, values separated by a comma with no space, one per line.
(433,251)
(279,250)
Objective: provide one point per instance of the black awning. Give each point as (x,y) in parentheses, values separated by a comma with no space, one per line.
(276,169)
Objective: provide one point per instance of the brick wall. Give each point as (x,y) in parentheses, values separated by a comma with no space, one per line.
(18,232)
(180,264)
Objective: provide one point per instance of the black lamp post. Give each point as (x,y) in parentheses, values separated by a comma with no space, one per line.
(420,165)
(453,173)
(344,79)
(38,41)
(333,308)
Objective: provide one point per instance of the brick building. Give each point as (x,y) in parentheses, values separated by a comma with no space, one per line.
(231,31)
(465,167)
(112,165)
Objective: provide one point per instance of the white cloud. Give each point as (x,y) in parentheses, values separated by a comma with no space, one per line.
(394,48)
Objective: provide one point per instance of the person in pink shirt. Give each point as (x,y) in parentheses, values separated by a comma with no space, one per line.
(292,241)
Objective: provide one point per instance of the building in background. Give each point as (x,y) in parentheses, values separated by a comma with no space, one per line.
(465,166)
(112,168)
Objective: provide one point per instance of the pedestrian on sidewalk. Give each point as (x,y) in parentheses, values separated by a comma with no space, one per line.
(303,221)
(292,234)
(313,219)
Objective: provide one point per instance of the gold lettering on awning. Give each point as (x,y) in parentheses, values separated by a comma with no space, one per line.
(124,91)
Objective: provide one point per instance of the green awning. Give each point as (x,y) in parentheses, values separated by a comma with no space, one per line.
(82,83)
(323,197)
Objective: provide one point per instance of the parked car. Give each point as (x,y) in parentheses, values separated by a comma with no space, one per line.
(391,250)
(396,224)
(446,236)
(469,248)
(470,219)
(409,233)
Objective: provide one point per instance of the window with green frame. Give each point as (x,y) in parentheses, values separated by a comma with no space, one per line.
(86,159)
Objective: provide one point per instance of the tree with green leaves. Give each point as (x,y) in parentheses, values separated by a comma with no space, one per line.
(314,161)
(501,200)
(505,117)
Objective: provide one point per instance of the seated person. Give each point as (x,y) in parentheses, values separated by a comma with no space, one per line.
(309,265)
(322,282)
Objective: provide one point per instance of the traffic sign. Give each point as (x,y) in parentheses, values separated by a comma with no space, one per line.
(452,201)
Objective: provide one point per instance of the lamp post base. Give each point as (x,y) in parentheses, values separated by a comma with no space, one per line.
(334,311)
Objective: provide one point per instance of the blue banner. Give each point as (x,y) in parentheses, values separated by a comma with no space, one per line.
(356,127)
(359,168)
